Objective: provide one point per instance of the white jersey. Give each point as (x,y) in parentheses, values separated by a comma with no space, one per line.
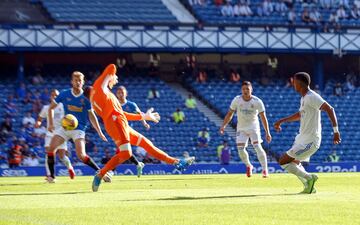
(58,115)
(247,112)
(310,122)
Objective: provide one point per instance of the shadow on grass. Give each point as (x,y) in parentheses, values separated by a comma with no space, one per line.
(42,193)
(185,198)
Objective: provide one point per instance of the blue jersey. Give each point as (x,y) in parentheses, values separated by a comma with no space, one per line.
(76,105)
(130,107)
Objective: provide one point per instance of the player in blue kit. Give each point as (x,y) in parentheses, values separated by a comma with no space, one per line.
(131,107)
(77,104)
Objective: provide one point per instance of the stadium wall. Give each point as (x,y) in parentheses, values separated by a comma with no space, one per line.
(159,169)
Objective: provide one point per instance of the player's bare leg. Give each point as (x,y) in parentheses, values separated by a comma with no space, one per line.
(66,161)
(139,140)
(56,141)
(261,155)
(291,165)
(244,156)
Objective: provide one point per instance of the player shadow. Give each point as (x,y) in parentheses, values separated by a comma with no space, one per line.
(42,193)
(180,198)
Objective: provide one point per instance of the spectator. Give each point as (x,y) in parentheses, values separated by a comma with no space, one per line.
(203,138)
(242,9)
(291,16)
(37,79)
(349,85)
(234,76)
(357,3)
(6,126)
(28,98)
(178,116)
(202,76)
(326,4)
(281,7)
(10,106)
(190,102)
(224,153)
(268,7)
(196,2)
(32,160)
(333,157)
(305,16)
(21,91)
(218,2)
(354,13)
(28,119)
(191,63)
(227,10)
(315,16)
(14,155)
(341,13)
(153,93)
(338,90)
(259,10)
(121,63)
(344,3)
(154,61)
(334,20)
(289,3)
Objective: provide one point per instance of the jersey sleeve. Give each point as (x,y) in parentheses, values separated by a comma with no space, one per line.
(136,108)
(316,101)
(234,104)
(88,106)
(261,106)
(43,113)
(60,97)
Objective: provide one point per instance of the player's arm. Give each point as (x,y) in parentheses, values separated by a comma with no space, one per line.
(265,124)
(52,106)
(144,123)
(149,115)
(292,118)
(38,122)
(330,111)
(95,123)
(103,80)
(41,116)
(226,121)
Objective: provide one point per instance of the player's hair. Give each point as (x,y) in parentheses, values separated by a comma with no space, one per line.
(54,90)
(87,91)
(122,87)
(77,74)
(246,83)
(303,77)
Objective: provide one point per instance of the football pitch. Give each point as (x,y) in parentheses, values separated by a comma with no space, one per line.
(181,199)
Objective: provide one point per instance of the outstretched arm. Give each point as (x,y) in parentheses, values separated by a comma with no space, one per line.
(149,115)
(227,119)
(294,117)
(331,114)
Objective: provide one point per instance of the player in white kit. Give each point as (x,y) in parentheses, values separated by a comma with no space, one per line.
(307,142)
(58,115)
(248,108)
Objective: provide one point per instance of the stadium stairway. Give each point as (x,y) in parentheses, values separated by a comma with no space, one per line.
(179,11)
(211,115)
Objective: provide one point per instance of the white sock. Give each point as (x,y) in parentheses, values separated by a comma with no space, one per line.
(244,156)
(294,169)
(261,155)
(303,180)
(66,161)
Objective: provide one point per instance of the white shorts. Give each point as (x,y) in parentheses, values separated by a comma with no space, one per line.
(70,134)
(243,136)
(48,140)
(303,152)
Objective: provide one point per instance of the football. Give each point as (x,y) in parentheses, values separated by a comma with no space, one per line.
(69,122)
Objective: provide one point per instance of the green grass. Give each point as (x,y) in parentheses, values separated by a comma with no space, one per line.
(183,199)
